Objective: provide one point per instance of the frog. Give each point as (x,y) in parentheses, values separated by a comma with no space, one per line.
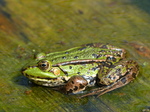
(72,71)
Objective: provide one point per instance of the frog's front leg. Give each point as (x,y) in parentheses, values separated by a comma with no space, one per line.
(115,77)
(75,84)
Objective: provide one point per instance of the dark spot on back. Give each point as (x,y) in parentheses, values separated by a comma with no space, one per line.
(66,52)
(119,74)
(118,70)
(64,57)
(80,49)
(95,68)
(101,51)
(110,77)
(94,55)
(76,88)
(90,45)
(99,56)
(111,59)
(78,72)
(72,82)
(104,47)
(103,63)
(76,57)
(123,80)
(70,67)
(114,77)
(108,64)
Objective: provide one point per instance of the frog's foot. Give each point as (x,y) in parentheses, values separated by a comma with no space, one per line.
(75,84)
(128,76)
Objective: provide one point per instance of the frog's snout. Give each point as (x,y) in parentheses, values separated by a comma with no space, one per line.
(26,68)
(22,70)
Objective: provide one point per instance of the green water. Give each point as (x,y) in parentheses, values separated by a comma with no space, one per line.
(30,26)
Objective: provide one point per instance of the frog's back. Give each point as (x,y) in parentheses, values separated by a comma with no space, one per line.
(87,53)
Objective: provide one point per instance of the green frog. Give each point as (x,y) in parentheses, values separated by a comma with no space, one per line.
(77,68)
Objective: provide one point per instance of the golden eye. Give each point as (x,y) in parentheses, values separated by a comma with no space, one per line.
(44,65)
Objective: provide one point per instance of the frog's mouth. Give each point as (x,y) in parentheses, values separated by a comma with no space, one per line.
(43,78)
(36,73)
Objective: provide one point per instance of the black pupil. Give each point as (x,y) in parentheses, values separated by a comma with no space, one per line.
(43,65)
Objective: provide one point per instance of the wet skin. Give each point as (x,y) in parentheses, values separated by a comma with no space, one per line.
(88,65)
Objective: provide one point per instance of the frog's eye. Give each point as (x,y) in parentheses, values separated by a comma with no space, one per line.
(44,65)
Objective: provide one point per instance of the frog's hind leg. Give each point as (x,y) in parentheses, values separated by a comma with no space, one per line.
(100,91)
(127,75)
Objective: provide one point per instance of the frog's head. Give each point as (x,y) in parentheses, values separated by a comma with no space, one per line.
(41,72)
(41,69)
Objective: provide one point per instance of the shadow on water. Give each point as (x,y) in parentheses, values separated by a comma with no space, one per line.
(142,4)
(2,2)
